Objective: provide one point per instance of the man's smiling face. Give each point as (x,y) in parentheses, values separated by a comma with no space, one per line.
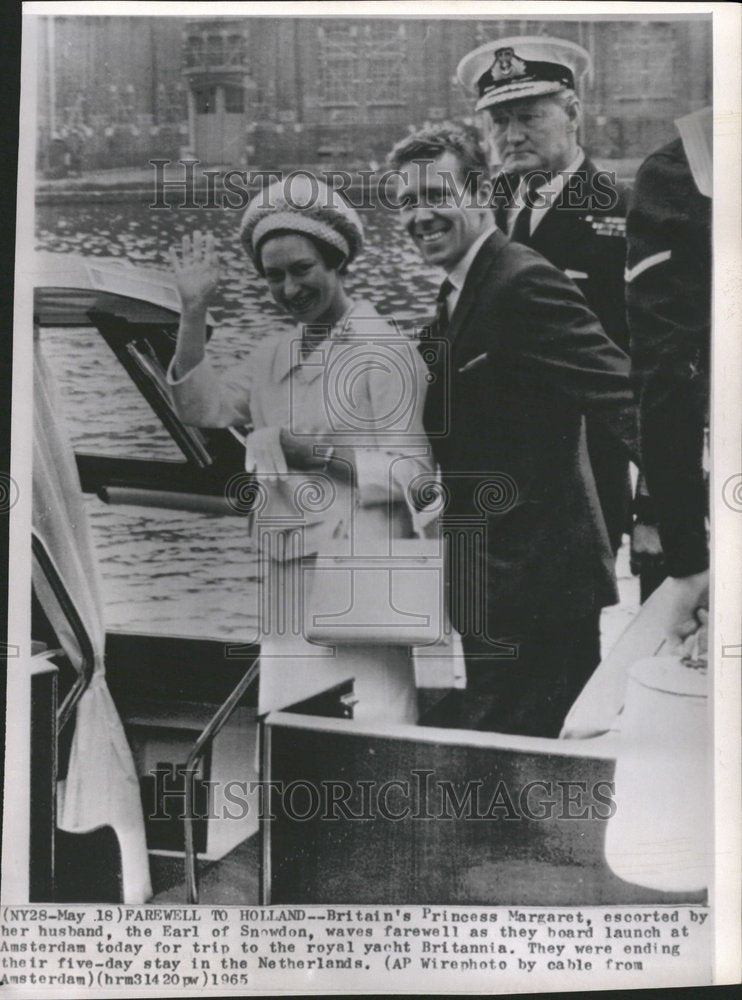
(440,215)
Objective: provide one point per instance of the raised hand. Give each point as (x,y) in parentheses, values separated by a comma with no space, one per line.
(196,271)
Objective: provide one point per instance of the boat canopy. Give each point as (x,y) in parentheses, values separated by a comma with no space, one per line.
(101,787)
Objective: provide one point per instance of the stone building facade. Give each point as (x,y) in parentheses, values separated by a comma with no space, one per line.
(276,92)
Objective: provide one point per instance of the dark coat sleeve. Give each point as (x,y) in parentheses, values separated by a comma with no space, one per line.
(561,341)
(668,300)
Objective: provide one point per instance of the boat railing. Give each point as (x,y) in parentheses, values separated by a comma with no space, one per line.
(200,747)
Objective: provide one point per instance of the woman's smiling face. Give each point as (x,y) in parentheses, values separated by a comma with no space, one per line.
(300,281)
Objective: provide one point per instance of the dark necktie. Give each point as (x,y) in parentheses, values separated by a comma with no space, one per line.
(521,232)
(504,187)
(435,356)
(441,308)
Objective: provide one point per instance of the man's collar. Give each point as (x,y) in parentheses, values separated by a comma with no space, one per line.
(457,275)
(553,187)
(550,193)
(575,165)
(562,177)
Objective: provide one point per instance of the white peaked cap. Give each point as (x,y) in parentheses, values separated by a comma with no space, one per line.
(507,69)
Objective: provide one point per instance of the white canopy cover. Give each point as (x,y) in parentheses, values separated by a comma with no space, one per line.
(101,787)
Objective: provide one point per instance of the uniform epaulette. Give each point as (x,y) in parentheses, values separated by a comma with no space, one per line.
(607,225)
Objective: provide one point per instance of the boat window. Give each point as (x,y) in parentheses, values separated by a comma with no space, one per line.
(104,412)
(149,366)
(163,571)
(176,572)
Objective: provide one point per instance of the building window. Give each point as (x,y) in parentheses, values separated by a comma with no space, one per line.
(234,101)
(210,47)
(205,100)
(643,60)
(194,52)
(214,50)
(338,63)
(386,62)
(235,50)
(362,65)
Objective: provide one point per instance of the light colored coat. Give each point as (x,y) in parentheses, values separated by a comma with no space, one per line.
(361,391)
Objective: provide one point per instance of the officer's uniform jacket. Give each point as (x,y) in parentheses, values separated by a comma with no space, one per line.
(583,234)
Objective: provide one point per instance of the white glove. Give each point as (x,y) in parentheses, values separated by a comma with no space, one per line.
(264,455)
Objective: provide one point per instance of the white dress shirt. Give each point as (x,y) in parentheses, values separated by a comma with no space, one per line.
(457,275)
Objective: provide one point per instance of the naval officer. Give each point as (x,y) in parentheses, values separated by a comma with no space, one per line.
(551,196)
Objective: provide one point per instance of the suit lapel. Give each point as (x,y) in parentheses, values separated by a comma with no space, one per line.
(458,334)
(542,237)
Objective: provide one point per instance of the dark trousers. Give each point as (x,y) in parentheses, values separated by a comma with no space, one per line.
(649,581)
(612,482)
(526,682)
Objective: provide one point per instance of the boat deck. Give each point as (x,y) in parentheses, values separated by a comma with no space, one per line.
(231,881)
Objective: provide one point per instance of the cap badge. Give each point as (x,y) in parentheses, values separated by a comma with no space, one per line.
(507,65)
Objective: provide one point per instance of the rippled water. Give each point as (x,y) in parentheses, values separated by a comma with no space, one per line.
(169,571)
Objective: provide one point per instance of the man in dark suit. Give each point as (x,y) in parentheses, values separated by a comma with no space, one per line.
(552,197)
(518,360)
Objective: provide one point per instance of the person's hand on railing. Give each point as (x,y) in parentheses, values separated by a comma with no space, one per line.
(688,596)
(646,549)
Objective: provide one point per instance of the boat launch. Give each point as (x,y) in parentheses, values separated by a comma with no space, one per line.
(152,778)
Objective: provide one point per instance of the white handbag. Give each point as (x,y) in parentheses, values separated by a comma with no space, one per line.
(393,597)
